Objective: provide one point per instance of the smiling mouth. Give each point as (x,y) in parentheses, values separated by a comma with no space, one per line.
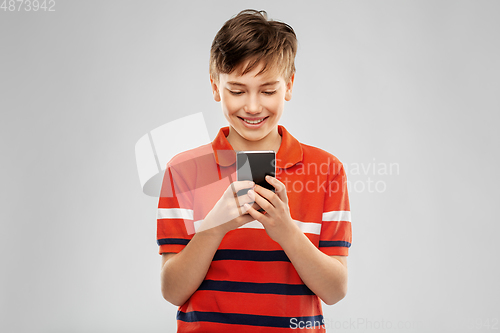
(253,122)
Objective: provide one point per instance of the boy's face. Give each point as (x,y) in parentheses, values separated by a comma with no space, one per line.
(252,104)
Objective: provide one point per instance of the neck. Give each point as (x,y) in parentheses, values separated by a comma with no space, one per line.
(270,142)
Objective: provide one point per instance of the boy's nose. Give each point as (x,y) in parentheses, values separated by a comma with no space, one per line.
(253,106)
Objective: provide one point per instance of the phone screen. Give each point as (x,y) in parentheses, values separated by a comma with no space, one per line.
(255,166)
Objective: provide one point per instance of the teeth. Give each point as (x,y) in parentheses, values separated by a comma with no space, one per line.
(253,122)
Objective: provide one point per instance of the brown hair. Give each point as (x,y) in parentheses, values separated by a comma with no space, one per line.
(251,36)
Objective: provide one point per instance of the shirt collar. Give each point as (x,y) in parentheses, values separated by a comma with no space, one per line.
(289,154)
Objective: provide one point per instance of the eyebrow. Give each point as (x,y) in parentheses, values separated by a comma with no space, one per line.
(234,83)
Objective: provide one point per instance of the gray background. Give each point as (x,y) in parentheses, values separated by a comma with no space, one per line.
(414,83)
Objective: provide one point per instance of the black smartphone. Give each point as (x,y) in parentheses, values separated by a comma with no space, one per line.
(255,166)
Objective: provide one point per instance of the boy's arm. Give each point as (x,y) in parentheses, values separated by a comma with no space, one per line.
(325,275)
(182,273)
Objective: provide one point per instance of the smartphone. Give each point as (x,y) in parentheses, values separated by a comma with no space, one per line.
(255,165)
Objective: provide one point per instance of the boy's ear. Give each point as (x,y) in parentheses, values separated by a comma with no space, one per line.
(215,89)
(289,86)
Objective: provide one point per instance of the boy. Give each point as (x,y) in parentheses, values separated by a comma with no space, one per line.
(228,266)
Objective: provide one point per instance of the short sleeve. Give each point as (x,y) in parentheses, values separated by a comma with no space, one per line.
(175,211)
(336,234)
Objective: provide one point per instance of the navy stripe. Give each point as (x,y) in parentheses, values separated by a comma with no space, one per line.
(251,255)
(256,288)
(334,243)
(248,319)
(180,241)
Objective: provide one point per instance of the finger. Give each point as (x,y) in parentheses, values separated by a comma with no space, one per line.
(240,185)
(263,203)
(257,207)
(252,204)
(269,196)
(246,198)
(279,187)
(255,214)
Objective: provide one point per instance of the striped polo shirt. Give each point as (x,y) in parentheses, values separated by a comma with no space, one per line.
(251,285)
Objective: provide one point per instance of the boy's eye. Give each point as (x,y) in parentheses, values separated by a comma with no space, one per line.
(269,92)
(235,92)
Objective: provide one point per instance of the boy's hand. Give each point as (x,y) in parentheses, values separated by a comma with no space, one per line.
(277,220)
(229,213)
